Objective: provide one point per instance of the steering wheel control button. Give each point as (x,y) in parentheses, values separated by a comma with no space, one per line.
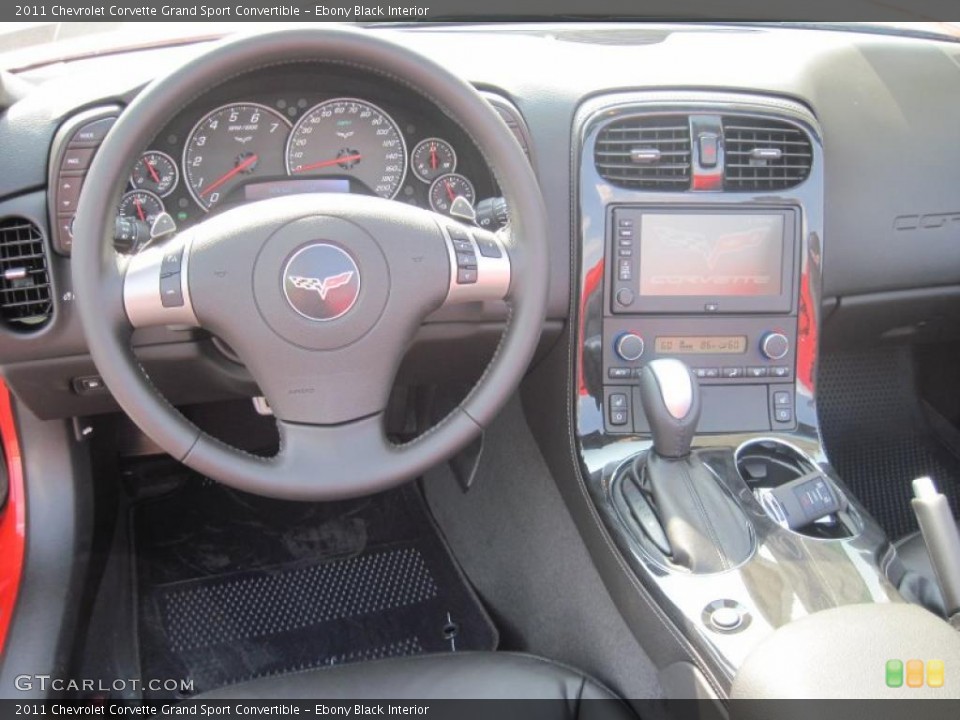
(629,347)
(466,276)
(725,616)
(77,159)
(171,262)
(775,346)
(489,248)
(171,292)
(321,282)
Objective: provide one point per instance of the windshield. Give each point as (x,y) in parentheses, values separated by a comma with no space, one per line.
(27,44)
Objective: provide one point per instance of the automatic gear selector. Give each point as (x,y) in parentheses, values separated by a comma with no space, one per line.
(673,499)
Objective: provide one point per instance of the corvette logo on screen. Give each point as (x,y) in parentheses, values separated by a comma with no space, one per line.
(321,281)
(321,286)
(714,251)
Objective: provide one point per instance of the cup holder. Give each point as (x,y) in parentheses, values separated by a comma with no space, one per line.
(795,493)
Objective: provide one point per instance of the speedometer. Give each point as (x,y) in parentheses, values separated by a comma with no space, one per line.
(229,145)
(349,138)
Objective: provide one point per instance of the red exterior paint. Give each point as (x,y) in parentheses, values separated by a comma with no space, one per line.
(12,518)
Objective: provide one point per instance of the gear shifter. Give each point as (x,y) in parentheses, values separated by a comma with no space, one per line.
(705,529)
(671,400)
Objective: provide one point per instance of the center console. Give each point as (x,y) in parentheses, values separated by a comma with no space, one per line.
(693,412)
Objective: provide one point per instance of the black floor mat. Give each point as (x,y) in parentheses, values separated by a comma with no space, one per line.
(878,434)
(234,587)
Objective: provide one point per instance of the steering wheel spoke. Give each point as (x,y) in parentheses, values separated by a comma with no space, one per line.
(156,290)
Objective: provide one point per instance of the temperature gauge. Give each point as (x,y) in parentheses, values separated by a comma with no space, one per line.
(141,205)
(155,172)
(449,187)
(432,158)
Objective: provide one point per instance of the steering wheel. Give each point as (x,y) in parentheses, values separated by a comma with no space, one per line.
(318,294)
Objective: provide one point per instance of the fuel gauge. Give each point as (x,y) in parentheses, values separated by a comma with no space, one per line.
(156,172)
(432,158)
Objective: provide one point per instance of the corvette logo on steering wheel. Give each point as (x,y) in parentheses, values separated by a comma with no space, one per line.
(321,281)
(321,286)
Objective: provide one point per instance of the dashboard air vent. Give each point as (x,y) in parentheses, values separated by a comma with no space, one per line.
(650,152)
(25,299)
(762,154)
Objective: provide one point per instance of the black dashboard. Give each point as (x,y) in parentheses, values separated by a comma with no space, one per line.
(887,108)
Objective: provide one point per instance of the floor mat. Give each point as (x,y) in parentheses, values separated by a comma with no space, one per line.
(878,434)
(233,587)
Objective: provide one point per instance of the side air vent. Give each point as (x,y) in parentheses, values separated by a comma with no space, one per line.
(650,152)
(762,154)
(25,300)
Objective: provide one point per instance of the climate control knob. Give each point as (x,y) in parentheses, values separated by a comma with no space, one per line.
(629,346)
(775,346)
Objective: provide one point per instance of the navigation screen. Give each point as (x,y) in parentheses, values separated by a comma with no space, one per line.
(711,255)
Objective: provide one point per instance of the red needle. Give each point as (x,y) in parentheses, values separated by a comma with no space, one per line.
(450,193)
(136,201)
(433,156)
(153,172)
(328,163)
(226,176)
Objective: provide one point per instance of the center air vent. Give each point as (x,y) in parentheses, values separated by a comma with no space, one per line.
(650,152)
(25,300)
(763,154)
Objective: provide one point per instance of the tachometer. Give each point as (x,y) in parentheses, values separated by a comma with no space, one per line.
(229,145)
(349,138)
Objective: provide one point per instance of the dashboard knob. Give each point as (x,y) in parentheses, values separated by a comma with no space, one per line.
(774,346)
(629,346)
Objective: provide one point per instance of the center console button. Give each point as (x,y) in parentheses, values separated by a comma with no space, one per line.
(732,372)
(775,346)
(629,346)
(620,373)
(780,371)
(756,372)
(782,398)
(625,297)
(707,372)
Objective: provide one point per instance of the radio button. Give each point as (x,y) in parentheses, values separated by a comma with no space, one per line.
(629,346)
(775,346)
(625,297)
(625,270)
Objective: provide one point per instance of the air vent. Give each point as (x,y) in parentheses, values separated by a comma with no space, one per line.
(650,153)
(761,154)
(25,301)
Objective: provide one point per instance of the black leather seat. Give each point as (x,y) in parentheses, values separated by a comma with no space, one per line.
(487,675)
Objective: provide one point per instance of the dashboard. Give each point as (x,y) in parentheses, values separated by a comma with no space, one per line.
(887,108)
(275,133)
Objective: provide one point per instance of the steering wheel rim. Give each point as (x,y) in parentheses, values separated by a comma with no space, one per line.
(316,461)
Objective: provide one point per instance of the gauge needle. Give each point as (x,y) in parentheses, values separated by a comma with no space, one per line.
(140,213)
(433,156)
(227,175)
(328,163)
(153,172)
(450,192)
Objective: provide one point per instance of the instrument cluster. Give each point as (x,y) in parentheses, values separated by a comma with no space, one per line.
(244,143)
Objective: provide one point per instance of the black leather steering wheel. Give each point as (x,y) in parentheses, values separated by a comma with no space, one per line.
(319,294)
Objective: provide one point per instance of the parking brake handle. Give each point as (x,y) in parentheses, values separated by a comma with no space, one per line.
(942,538)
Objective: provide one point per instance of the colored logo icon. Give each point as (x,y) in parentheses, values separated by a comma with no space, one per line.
(912,674)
